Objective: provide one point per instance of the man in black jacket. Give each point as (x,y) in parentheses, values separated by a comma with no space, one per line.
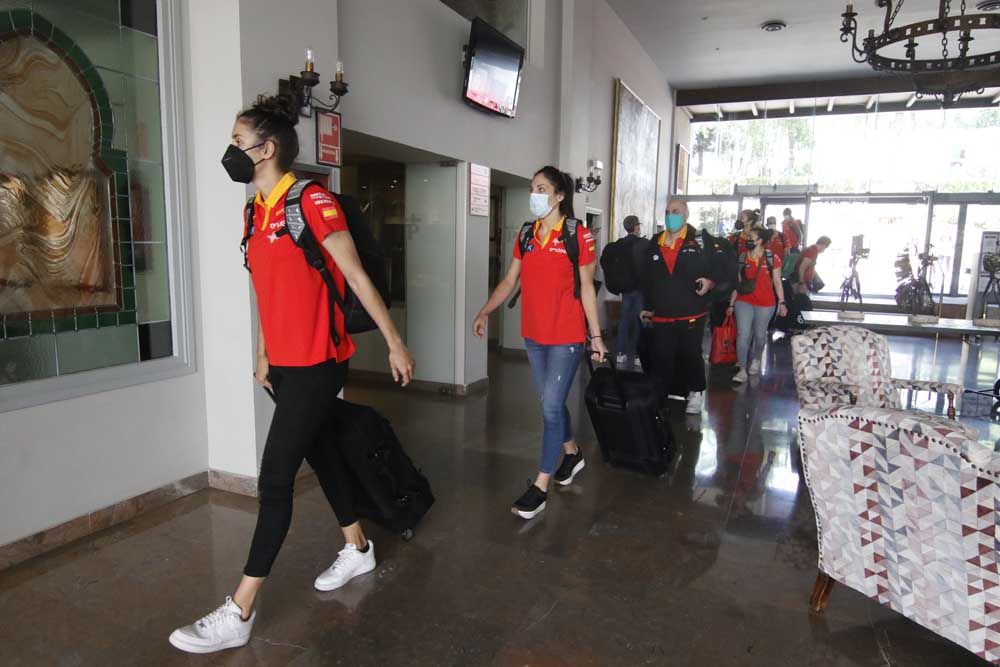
(678,273)
(632,300)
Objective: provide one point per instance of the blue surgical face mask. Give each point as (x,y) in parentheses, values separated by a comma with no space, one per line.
(675,222)
(539,204)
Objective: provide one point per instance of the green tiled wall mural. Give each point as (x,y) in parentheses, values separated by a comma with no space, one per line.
(106,204)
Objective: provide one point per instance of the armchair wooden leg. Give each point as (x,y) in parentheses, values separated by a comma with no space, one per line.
(820,596)
(951,406)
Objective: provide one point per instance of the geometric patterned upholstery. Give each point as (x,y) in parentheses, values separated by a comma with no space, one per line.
(906,510)
(847,365)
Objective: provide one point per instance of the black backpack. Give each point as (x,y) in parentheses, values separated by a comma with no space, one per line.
(570,242)
(618,261)
(356,318)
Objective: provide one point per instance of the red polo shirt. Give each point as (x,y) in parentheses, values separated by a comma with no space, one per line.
(291,295)
(550,314)
(763,294)
(669,252)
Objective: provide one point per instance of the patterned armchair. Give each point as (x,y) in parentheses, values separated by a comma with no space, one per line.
(847,365)
(906,511)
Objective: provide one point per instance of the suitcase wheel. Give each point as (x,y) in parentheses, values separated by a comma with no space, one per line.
(407,534)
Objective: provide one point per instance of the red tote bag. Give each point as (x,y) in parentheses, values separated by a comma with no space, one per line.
(724,343)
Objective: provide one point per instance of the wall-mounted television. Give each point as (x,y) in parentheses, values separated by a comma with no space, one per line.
(493,65)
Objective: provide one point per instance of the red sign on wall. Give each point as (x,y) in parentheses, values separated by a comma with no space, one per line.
(328,138)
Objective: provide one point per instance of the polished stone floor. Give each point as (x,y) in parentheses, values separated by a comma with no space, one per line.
(711,565)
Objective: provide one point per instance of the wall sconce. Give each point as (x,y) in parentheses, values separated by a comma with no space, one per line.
(593,177)
(300,88)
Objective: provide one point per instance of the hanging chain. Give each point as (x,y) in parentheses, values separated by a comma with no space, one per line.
(895,13)
(944,35)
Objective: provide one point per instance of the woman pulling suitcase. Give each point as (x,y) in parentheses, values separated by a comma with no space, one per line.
(559,308)
(299,356)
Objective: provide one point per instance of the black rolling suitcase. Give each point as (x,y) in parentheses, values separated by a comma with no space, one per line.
(391,490)
(629,414)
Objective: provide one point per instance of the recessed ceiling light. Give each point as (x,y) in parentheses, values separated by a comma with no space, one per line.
(775,25)
(988,5)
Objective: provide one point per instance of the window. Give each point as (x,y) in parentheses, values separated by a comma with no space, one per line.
(889,229)
(85,265)
(715,216)
(978,219)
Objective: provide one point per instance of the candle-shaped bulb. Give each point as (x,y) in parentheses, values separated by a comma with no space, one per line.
(850,7)
(340,72)
(310,64)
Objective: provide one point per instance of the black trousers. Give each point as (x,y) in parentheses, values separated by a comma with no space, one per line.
(677,356)
(301,429)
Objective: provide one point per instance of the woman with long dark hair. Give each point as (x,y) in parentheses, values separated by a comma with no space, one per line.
(299,357)
(558,315)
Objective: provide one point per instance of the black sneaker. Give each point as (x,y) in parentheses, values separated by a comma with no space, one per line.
(531,503)
(571,465)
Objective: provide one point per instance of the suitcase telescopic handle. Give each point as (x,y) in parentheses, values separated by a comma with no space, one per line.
(615,377)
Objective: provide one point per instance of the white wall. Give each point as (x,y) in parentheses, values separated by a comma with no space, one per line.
(404,63)
(516,212)
(615,53)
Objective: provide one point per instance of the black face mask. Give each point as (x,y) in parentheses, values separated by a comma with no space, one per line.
(238,164)
(751,245)
(739,225)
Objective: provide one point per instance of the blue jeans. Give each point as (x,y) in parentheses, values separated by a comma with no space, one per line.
(554,369)
(628,325)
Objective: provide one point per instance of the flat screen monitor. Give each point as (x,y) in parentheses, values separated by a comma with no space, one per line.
(492,70)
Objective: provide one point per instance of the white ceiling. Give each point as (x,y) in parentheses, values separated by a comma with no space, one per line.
(708,43)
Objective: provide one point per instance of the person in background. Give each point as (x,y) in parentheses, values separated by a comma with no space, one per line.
(792,232)
(777,243)
(745,221)
(760,272)
(805,271)
(629,324)
(558,316)
(677,274)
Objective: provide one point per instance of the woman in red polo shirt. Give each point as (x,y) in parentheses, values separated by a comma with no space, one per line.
(298,358)
(554,323)
(760,284)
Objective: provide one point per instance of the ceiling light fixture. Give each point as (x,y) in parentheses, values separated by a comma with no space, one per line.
(718,110)
(774,25)
(829,106)
(988,5)
(996,99)
(910,102)
(791,107)
(871,102)
(948,77)
(753,109)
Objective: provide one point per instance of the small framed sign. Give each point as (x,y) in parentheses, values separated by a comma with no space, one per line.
(328,147)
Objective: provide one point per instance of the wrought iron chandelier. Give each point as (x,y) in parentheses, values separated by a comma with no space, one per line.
(948,77)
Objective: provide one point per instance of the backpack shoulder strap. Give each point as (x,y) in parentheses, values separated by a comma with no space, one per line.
(247,230)
(524,237)
(769,258)
(295,220)
(572,246)
(296,227)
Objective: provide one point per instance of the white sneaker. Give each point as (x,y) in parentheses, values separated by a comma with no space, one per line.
(696,400)
(740,377)
(755,367)
(223,628)
(350,563)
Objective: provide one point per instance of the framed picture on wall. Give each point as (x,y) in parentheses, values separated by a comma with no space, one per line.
(682,167)
(328,147)
(636,153)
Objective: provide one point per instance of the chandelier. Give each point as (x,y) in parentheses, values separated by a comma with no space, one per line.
(948,77)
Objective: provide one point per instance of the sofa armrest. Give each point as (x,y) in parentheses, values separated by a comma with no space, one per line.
(950,389)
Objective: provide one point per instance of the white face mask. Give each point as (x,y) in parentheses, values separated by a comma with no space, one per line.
(540,205)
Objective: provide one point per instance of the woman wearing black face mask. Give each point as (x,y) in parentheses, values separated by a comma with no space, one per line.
(299,358)
(753,301)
